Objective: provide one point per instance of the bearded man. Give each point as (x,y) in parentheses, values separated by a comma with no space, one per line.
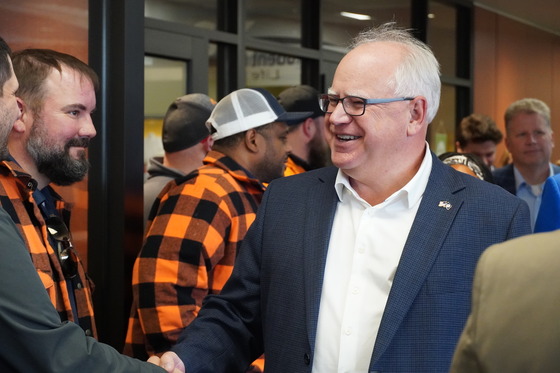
(47,144)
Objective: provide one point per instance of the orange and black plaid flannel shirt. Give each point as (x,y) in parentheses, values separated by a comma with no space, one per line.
(16,197)
(293,168)
(189,250)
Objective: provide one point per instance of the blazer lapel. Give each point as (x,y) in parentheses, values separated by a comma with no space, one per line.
(320,208)
(440,203)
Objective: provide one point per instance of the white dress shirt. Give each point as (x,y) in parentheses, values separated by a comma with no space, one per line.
(364,251)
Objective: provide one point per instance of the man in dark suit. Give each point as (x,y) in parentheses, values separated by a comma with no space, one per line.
(529,140)
(513,326)
(366,266)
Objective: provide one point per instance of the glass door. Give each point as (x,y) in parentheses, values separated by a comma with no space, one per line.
(165,79)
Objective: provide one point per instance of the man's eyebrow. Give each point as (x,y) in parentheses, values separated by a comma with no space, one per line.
(74,107)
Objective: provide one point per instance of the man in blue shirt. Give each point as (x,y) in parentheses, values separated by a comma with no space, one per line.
(529,140)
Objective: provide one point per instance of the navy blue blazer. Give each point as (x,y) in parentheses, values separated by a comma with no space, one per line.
(505,177)
(271,301)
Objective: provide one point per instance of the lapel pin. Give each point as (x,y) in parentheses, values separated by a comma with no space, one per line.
(446,205)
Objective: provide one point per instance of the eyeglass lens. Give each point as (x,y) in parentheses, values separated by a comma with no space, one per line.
(354,106)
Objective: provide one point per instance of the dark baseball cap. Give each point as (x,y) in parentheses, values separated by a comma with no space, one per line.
(301,98)
(184,124)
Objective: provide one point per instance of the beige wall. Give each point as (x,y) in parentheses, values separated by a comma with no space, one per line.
(511,61)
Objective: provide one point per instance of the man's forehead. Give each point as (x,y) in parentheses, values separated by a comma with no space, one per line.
(68,75)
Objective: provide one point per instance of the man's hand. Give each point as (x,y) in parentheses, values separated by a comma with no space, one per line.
(169,361)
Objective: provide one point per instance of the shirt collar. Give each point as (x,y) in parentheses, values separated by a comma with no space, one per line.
(411,192)
(520,181)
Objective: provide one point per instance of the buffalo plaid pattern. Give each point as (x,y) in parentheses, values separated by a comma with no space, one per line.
(293,168)
(192,237)
(16,197)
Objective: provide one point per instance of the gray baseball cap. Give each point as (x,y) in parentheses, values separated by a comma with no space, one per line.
(184,124)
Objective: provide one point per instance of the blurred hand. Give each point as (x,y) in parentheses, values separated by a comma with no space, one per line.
(169,361)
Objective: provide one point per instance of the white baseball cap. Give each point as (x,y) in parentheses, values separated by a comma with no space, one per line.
(249,108)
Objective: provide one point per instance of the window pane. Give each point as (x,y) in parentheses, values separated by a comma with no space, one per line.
(442,129)
(338,30)
(274,20)
(190,12)
(213,71)
(442,35)
(164,81)
(272,71)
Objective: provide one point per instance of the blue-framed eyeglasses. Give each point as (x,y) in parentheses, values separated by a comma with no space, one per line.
(354,105)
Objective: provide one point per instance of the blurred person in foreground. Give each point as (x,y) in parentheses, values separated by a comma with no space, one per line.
(307,139)
(513,326)
(479,135)
(186,141)
(366,266)
(32,335)
(200,220)
(530,141)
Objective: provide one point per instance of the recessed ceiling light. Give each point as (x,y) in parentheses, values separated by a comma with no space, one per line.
(360,17)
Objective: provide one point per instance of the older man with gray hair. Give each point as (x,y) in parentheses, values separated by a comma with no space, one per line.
(366,266)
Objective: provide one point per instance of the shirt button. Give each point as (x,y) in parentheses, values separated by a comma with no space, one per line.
(79,285)
(306,359)
(88,332)
(348,331)
(355,290)
(361,250)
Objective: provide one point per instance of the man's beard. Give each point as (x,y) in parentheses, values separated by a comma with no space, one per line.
(55,163)
(4,133)
(269,169)
(7,120)
(319,154)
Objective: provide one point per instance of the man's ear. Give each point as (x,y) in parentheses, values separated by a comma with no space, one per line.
(208,143)
(418,110)
(506,142)
(251,140)
(309,129)
(25,116)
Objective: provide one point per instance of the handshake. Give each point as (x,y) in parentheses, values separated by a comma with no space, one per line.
(169,361)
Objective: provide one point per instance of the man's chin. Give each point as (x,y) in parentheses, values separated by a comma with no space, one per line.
(77,153)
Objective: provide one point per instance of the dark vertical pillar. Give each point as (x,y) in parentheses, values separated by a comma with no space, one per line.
(464,60)
(420,19)
(227,55)
(116,52)
(311,38)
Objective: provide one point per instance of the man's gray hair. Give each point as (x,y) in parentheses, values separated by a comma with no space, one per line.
(418,74)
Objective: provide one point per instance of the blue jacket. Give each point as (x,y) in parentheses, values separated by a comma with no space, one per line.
(271,301)
(548,218)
